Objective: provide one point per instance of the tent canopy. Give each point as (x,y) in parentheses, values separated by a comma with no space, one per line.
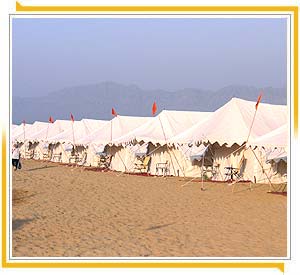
(113,129)
(51,130)
(162,127)
(78,130)
(28,130)
(275,138)
(231,123)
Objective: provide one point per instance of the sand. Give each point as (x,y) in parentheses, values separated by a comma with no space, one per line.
(60,211)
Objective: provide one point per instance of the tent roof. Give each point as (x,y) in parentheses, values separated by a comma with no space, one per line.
(54,129)
(80,129)
(275,138)
(164,126)
(93,124)
(30,129)
(113,129)
(231,123)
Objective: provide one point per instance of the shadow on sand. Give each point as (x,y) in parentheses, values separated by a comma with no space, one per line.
(18,223)
(19,196)
(159,226)
(39,168)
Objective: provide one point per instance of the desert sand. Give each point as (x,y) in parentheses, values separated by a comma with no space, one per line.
(61,211)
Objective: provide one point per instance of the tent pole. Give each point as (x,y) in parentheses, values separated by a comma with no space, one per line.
(118,152)
(202,180)
(178,163)
(63,151)
(75,147)
(110,153)
(24,132)
(251,126)
(47,132)
(217,166)
(195,178)
(122,161)
(150,153)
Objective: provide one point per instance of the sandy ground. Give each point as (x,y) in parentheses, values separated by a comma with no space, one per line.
(65,211)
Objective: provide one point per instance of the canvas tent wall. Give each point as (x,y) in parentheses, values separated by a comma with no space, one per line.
(228,128)
(157,132)
(271,151)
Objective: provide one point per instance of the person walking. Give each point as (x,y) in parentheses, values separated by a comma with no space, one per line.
(16,157)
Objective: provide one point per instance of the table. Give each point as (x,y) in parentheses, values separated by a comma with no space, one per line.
(231,171)
(163,167)
(56,157)
(76,158)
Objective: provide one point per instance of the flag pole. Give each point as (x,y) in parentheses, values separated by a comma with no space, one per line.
(154,109)
(24,123)
(74,137)
(111,135)
(47,132)
(73,133)
(72,121)
(256,107)
(24,132)
(111,130)
(250,129)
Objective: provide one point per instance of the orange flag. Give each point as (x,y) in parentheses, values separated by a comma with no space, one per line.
(51,120)
(258,100)
(113,112)
(72,118)
(154,108)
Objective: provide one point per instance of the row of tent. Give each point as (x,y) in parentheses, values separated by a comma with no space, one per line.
(191,143)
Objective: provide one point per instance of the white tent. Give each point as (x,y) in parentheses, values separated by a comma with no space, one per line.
(30,131)
(14,126)
(105,135)
(230,124)
(228,128)
(275,138)
(157,132)
(23,132)
(22,135)
(271,150)
(93,124)
(114,129)
(40,140)
(20,131)
(51,130)
(76,131)
(163,127)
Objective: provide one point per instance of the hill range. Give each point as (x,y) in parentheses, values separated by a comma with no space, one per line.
(96,100)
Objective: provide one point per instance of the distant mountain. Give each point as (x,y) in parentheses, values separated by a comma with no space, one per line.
(96,100)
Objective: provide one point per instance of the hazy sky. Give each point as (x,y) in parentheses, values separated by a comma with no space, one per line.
(50,54)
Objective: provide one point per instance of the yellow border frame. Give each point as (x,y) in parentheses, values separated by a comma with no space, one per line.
(21,8)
